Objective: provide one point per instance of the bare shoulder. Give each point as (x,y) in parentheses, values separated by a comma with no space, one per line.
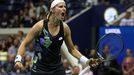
(37,28)
(65,26)
(39,24)
(66,29)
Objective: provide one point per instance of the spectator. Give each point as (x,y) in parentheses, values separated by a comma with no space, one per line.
(128,66)
(67,67)
(28,63)
(127,20)
(129,52)
(27,20)
(42,15)
(40,8)
(4,47)
(92,54)
(75,70)
(11,22)
(10,40)
(31,9)
(9,65)
(14,21)
(13,49)
(89,2)
(21,14)
(28,12)
(132,12)
(20,35)
(4,21)
(3,54)
(30,50)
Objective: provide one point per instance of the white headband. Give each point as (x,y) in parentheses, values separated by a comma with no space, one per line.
(55,2)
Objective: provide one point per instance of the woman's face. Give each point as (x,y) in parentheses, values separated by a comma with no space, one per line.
(60,11)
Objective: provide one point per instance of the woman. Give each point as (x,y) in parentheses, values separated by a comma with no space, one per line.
(49,35)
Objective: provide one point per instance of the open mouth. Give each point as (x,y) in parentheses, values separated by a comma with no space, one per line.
(62,14)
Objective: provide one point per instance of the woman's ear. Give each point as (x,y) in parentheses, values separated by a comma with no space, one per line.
(52,10)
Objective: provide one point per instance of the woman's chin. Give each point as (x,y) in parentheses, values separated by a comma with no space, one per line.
(62,18)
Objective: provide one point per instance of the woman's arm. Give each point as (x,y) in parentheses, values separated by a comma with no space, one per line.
(69,43)
(83,60)
(73,51)
(34,32)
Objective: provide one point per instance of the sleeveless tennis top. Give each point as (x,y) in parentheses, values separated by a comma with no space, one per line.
(47,49)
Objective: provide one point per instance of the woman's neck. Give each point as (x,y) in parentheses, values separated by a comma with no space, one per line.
(53,20)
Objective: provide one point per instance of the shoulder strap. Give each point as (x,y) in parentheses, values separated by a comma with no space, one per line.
(61,28)
(45,25)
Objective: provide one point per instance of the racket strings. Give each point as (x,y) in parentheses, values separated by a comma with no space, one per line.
(115,44)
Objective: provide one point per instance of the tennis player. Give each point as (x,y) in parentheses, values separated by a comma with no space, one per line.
(49,35)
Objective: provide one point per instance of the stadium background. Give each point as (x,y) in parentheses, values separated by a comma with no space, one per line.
(85,19)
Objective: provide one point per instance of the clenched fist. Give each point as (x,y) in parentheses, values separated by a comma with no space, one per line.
(19,65)
(93,62)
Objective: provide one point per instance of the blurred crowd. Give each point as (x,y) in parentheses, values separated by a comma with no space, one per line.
(24,13)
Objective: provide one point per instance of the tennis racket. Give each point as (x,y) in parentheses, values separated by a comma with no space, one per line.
(108,47)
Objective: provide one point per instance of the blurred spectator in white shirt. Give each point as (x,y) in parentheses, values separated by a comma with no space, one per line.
(68,68)
(127,20)
(75,70)
(132,12)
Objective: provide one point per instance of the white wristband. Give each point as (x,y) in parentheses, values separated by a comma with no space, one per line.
(83,60)
(18,58)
